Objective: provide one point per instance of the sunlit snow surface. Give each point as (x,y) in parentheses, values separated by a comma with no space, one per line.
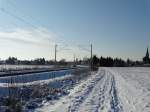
(32,79)
(109,90)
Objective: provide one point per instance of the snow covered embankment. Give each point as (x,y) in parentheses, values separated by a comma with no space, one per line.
(110,90)
(98,93)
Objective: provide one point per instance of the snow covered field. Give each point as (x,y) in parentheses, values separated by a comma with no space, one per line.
(10,70)
(32,79)
(108,90)
(35,88)
(22,67)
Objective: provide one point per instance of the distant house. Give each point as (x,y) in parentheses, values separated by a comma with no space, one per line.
(146,59)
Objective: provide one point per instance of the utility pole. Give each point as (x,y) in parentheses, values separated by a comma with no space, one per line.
(55,53)
(91,57)
(74,64)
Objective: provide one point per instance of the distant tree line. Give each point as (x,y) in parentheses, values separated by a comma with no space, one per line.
(37,61)
(114,62)
(102,61)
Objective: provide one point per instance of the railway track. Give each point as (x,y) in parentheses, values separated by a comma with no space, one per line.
(23,72)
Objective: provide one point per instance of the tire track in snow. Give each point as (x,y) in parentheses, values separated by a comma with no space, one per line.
(100,95)
(95,100)
(80,99)
(115,104)
(97,94)
(103,97)
(110,90)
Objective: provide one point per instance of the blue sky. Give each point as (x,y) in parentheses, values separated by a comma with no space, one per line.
(117,28)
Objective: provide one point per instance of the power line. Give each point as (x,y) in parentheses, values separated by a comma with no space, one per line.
(35,27)
(26,22)
(24,15)
(56,51)
(17,17)
(23,21)
(83,48)
(33,19)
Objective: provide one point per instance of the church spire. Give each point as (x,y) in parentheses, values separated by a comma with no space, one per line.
(147,53)
(146,59)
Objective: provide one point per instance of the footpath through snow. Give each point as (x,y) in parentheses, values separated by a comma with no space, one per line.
(109,90)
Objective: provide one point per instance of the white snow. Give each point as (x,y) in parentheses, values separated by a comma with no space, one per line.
(22,67)
(40,82)
(32,79)
(7,69)
(109,90)
(133,85)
